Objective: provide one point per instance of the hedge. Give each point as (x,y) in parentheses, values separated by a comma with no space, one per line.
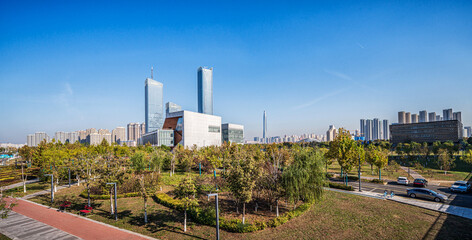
(107,196)
(340,186)
(207,216)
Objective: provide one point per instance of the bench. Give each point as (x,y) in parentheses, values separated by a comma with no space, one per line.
(86,210)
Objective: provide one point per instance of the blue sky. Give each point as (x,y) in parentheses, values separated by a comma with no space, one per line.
(66,66)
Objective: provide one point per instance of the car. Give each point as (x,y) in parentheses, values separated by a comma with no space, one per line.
(460,186)
(420,182)
(426,194)
(402,180)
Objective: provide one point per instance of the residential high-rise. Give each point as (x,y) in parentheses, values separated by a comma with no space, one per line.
(447,114)
(264,126)
(60,137)
(205,90)
(414,118)
(401,117)
(432,117)
(376,129)
(423,116)
(30,140)
(39,137)
(438,118)
(386,132)
(153,105)
(118,135)
(362,128)
(331,133)
(407,117)
(172,107)
(468,131)
(134,131)
(457,116)
(368,130)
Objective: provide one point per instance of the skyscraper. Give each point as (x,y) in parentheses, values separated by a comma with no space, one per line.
(133,131)
(172,107)
(362,127)
(401,117)
(331,133)
(457,116)
(153,105)
(408,118)
(432,117)
(205,90)
(386,132)
(118,135)
(414,118)
(376,129)
(447,114)
(423,116)
(368,130)
(264,126)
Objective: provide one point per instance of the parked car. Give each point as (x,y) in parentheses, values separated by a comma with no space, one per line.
(420,182)
(402,180)
(426,194)
(460,186)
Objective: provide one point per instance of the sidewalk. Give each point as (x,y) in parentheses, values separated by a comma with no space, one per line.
(440,207)
(20,184)
(413,174)
(73,224)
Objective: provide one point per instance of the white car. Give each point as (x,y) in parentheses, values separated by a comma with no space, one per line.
(460,186)
(402,180)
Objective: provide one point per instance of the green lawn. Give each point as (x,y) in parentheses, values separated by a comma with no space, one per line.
(3,237)
(336,216)
(387,174)
(435,174)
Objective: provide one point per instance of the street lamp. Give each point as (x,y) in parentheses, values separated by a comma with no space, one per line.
(116,208)
(52,186)
(217,217)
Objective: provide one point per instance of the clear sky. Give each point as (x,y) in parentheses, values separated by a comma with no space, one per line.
(72,65)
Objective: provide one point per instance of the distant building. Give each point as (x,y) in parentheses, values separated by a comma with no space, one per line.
(135,131)
(118,135)
(427,132)
(153,105)
(191,128)
(447,114)
(205,90)
(160,137)
(423,116)
(376,129)
(264,127)
(257,139)
(457,116)
(468,131)
(407,118)
(362,128)
(368,130)
(30,140)
(386,131)
(233,133)
(129,143)
(331,133)
(439,118)
(414,118)
(401,117)
(172,107)
(432,117)
(39,137)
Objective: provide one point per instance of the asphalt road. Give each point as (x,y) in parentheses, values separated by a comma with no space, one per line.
(455,199)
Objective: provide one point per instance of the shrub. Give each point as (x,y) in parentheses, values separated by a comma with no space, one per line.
(107,196)
(329,175)
(341,186)
(377,181)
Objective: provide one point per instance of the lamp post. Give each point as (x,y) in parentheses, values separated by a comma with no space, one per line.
(52,187)
(217,215)
(116,208)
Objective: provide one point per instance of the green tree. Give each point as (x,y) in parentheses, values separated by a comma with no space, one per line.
(344,149)
(445,160)
(185,191)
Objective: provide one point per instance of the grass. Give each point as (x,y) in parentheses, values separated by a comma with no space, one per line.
(30,188)
(387,174)
(3,237)
(436,174)
(336,216)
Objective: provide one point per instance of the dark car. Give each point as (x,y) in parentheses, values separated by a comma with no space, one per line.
(420,182)
(426,194)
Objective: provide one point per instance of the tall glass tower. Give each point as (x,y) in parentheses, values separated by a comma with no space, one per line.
(264,126)
(205,90)
(153,104)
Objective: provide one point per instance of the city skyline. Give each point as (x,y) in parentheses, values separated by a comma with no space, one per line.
(61,74)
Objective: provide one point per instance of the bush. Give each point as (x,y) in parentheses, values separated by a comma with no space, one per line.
(107,196)
(329,175)
(341,186)
(377,181)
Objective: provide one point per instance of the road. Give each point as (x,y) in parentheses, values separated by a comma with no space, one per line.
(455,199)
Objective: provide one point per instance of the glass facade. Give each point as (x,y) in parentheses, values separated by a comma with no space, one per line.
(172,107)
(232,133)
(154,107)
(205,90)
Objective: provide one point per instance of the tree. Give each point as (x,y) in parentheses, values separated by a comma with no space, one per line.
(467,156)
(148,184)
(185,191)
(344,149)
(380,158)
(26,154)
(445,160)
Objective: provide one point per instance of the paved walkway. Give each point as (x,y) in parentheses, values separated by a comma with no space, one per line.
(18,226)
(440,207)
(20,184)
(73,224)
(413,173)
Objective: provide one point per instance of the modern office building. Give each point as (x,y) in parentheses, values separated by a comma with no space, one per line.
(447,114)
(331,133)
(153,105)
(118,135)
(427,132)
(386,131)
(362,128)
(401,117)
(264,126)
(407,118)
(457,116)
(432,117)
(172,107)
(160,137)
(191,128)
(423,116)
(232,133)
(205,90)
(414,118)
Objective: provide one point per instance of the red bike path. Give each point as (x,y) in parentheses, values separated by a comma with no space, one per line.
(81,227)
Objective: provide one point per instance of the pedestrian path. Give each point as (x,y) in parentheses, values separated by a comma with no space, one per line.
(413,173)
(20,184)
(73,224)
(43,192)
(440,207)
(18,226)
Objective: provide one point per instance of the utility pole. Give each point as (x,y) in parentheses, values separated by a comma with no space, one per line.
(217,215)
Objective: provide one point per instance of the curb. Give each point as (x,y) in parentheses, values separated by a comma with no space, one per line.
(95,221)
